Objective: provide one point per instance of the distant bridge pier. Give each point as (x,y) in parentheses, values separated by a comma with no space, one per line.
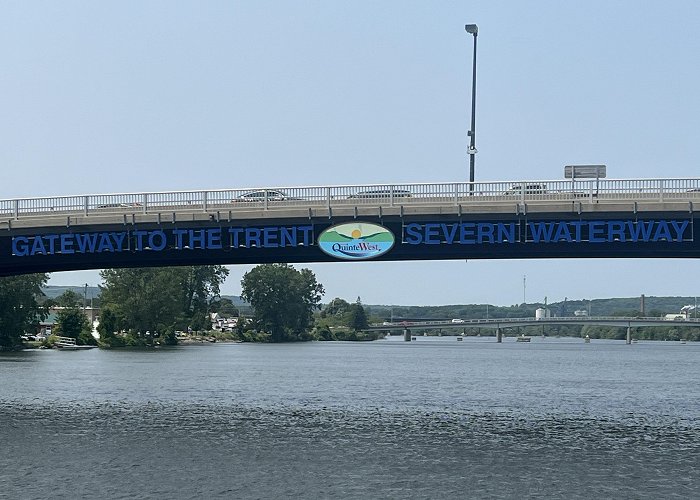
(407,334)
(629,334)
(499,336)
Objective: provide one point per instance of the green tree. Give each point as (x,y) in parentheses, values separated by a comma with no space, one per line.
(225,308)
(68,299)
(283,299)
(161,300)
(73,323)
(145,299)
(200,285)
(19,310)
(357,317)
(335,308)
(109,324)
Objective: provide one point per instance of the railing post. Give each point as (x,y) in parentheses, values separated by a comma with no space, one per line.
(590,191)
(205,200)
(15,209)
(86,202)
(456,186)
(661,190)
(145,202)
(391,196)
(265,201)
(328,197)
(522,193)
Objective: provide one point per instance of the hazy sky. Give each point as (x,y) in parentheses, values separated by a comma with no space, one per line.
(131,96)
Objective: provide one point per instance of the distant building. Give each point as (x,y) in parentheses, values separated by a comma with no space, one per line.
(223,324)
(48,325)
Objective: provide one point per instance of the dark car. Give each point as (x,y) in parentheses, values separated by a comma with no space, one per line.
(381,193)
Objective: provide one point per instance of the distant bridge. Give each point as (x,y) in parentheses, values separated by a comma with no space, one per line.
(391,222)
(616,321)
(499,323)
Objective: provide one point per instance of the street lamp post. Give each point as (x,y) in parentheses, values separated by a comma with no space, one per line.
(474,30)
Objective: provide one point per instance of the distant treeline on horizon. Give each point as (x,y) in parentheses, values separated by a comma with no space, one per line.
(653,306)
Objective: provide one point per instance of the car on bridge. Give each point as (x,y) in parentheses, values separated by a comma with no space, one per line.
(263,194)
(517,189)
(381,193)
(120,205)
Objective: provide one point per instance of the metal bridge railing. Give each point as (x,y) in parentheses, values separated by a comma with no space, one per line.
(268,198)
(554,319)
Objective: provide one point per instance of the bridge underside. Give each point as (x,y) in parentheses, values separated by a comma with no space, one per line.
(144,240)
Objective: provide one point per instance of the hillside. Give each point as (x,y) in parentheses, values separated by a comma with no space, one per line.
(654,306)
(52,291)
(623,306)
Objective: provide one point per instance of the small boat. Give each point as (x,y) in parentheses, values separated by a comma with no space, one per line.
(587,339)
(522,338)
(459,339)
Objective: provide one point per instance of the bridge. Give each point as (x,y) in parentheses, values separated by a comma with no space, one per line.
(454,220)
(499,323)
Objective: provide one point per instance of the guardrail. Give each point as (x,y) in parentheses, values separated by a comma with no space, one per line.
(466,322)
(456,193)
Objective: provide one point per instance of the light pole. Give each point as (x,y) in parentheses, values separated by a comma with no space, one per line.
(474,30)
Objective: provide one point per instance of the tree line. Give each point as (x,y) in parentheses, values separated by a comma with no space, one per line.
(147,306)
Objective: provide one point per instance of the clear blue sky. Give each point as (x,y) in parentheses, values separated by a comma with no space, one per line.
(129,96)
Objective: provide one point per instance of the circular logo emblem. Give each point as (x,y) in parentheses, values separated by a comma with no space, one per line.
(356,241)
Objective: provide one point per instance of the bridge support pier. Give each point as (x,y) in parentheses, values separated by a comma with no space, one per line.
(499,337)
(407,335)
(629,334)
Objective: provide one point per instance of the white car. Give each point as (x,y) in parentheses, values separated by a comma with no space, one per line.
(261,195)
(458,320)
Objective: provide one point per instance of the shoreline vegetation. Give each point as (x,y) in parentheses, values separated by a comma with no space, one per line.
(246,336)
(212,337)
(147,307)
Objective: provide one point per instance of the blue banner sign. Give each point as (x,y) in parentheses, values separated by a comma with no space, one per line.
(363,240)
(158,240)
(591,231)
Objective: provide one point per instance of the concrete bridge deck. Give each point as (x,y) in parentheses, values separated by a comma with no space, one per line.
(397,200)
(640,218)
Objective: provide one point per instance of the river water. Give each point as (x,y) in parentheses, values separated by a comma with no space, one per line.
(434,418)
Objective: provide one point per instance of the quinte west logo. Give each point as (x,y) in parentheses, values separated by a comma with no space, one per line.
(356,241)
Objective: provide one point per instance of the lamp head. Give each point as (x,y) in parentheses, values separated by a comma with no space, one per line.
(472,29)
